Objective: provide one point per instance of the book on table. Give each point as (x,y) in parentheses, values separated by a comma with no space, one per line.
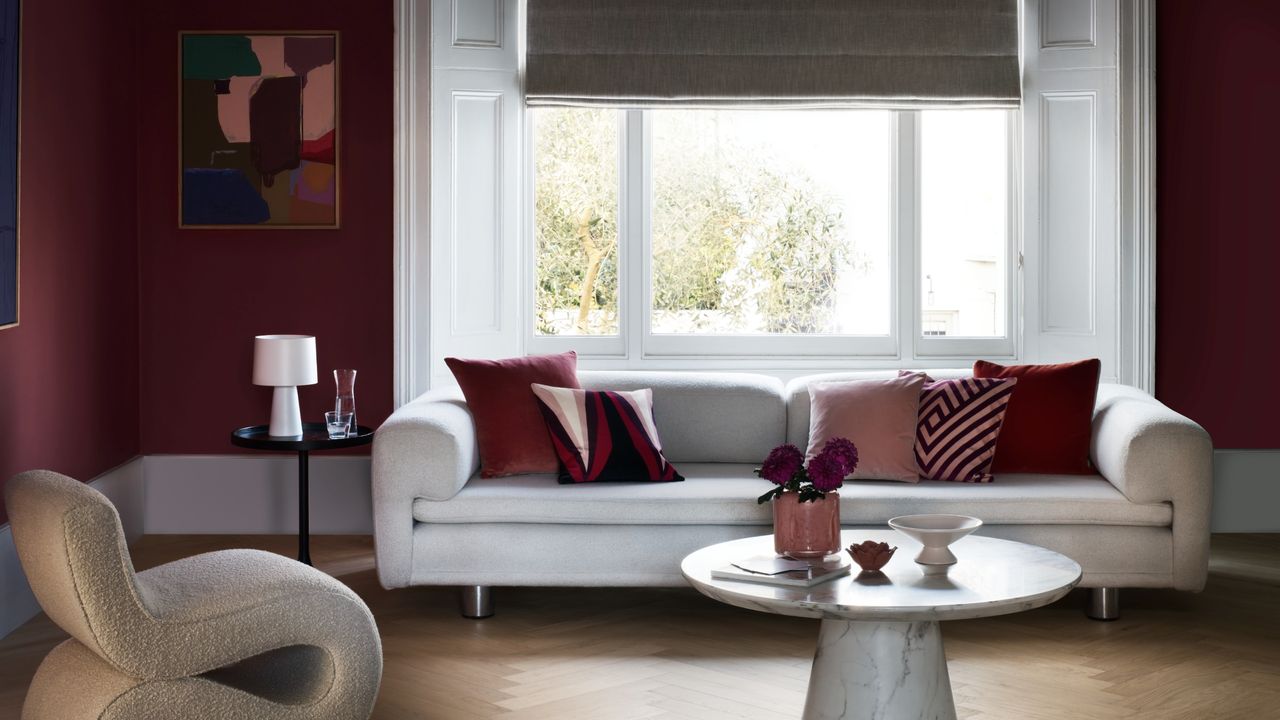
(774,570)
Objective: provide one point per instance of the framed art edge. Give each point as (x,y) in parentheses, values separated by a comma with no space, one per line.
(337,130)
(17,210)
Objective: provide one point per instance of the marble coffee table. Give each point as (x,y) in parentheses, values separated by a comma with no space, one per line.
(880,646)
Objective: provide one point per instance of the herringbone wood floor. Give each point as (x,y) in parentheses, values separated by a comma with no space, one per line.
(627,653)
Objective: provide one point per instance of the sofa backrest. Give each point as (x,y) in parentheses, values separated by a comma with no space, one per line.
(707,417)
(797,395)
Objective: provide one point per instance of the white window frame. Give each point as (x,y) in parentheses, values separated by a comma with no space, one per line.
(636,345)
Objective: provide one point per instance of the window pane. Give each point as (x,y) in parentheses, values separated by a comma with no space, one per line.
(771,221)
(964,215)
(575,216)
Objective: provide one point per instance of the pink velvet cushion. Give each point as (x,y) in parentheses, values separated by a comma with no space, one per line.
(879,416)
(510,431)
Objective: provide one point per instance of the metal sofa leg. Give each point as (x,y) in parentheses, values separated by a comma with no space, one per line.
(477,602)
(1104,604)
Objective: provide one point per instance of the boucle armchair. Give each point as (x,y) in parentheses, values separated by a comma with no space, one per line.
(228,634)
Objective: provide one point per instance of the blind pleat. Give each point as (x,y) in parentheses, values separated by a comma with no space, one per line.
(716,52)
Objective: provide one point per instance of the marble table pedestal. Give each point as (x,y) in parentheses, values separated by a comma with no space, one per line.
(879,670)
(879,653)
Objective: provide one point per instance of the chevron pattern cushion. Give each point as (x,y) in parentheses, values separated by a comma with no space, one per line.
(604,435)
(959,424)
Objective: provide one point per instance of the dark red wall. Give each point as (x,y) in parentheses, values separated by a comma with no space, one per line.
(69,371)
(206,293)
(1218,234)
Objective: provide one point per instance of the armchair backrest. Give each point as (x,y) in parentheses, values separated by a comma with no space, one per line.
(73,551)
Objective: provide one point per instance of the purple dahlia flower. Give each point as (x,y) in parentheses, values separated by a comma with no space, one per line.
(844,451)
(782,464)
(826,471)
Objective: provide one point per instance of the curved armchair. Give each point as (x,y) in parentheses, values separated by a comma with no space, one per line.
(228,634)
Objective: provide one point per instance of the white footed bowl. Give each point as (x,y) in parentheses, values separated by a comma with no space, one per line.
(935,533)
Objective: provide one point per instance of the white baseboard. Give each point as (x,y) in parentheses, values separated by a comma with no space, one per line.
(254,494)
(1246,491)
(123,485)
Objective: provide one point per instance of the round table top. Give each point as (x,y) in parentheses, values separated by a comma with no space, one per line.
(315,436)
(991,577)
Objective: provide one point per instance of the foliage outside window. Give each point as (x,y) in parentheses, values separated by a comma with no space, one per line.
(768,222)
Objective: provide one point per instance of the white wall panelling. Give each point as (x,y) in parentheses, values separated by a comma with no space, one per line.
(475,184)
(412,253)
(1138,193)
(1068,24)
(474,34)
(1068,212)
(477,24)
(1071,34)
(475,237)
(124,486)
(1071,244)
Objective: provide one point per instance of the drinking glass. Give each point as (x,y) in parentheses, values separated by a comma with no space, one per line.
(345,402)
(338,424)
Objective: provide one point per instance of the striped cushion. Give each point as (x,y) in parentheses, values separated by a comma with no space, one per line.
(604,435)
(959,424)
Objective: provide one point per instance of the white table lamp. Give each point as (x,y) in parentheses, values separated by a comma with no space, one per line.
(284,362)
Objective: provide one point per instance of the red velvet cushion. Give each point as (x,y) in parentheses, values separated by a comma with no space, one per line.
(512,435)
(1049,422)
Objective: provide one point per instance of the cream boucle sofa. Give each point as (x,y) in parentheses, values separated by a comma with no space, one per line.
(1142,521)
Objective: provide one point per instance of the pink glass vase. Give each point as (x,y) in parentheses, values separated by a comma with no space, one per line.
(806,529)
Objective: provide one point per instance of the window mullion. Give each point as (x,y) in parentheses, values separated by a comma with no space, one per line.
(906,230)
(633,196)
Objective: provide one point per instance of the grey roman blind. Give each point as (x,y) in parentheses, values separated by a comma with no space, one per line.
(804,52)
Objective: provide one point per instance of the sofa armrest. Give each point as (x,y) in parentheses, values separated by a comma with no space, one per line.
(426,449)
(1152,454)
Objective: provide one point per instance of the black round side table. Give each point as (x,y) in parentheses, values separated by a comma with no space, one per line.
(315,436)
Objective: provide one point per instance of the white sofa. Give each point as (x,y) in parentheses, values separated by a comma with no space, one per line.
(1143,521)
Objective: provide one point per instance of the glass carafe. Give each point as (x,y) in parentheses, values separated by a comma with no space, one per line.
(345,402)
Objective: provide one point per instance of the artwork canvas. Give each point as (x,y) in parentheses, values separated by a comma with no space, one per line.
(9,91)
(259,143)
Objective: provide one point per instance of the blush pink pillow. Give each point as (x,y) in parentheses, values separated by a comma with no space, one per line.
(879,416)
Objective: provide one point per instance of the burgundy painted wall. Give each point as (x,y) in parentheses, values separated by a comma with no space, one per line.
(1218,234)
(204,294)
(69,371)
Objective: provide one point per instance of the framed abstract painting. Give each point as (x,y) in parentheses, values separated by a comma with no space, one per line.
(10,89)
(259,130)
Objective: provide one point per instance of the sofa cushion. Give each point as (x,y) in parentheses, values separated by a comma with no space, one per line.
(604,435)
(878,416)
(796,396)
(707,417)
(959,426)
(509,428)
(1049,423)
(725,494)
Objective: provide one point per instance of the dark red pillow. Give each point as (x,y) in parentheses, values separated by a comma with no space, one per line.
(1049,423)
(512,435)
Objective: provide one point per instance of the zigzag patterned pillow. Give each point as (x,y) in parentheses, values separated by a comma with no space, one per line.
(959,425)
(604,435)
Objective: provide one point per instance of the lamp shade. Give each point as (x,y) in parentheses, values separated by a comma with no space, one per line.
(284,360)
